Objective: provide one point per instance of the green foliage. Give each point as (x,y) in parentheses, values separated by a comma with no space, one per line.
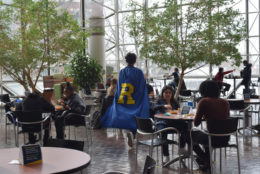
(86,71)
(204,31)
(34,34)
(185,37)
(109,69)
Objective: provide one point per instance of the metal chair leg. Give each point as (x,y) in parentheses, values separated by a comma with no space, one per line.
(192,157)
(161,155)
(5,129)
(24,137)
(69,132)
(210,155)
(238,157)
(75,133)
(220,160)
(136,151)
(17,136)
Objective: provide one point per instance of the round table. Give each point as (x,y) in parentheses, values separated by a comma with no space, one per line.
(55,160)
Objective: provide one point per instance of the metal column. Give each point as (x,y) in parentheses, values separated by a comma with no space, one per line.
(117,36)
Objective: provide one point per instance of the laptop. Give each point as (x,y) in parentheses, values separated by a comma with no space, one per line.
(185,110)
(246,96)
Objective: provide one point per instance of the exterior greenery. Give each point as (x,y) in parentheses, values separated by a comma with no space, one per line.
(202,31)
(86,71)
(109,69)
(35,35)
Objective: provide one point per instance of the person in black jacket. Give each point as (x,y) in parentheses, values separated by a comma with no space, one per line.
(34,102)
(72,105)
(246,74)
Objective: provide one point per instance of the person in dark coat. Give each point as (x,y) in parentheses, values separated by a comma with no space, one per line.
(73,106)
(246,74)
(34,102)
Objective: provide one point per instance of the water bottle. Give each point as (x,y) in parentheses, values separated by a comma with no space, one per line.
(190,104)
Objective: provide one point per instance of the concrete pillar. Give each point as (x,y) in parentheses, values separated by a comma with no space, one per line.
(95,18)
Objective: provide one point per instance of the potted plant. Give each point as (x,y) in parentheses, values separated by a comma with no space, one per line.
(85,71)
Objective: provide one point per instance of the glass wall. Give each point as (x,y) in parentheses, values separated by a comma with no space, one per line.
(118,42)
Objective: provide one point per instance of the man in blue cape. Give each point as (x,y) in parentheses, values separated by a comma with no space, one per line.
(131,98)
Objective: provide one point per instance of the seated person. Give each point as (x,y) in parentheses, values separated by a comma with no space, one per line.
(34,102)
(165,103)
(108,100)
(10,107)
(108,80)
(150,91)
(219,79)
(210,107)
(151,96)
(246,74)
(112,88)
(72,104)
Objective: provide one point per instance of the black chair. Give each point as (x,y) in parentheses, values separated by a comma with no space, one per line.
(251,92)
(237,107)
(255,83)
(186,95)
(149,167)
(78,120)
(70,144)
(30,122)
(146,127)
(4,98)
(220,129)
(220,86)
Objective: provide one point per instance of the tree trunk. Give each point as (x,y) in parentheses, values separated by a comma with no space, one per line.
(177,92)
(24,85)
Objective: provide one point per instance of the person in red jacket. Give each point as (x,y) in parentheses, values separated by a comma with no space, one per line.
(219,79)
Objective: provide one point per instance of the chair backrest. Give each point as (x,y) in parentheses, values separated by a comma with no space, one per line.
(249,91)
(5,98)
(149,165)
(236,104)
(71,144)
(186,93)
(225,126)
(144,124)
(29,116)
(88,109)
(157,92)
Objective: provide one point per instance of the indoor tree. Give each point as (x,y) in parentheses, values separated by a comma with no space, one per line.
(35,35)
(187,33)
(85,71)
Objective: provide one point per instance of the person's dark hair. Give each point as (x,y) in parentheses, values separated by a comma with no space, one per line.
(245,62)
(220,71)
(69,87)
(209,88)
(37,92)
(176,70)
(130,58)
(173,93)
(114,81)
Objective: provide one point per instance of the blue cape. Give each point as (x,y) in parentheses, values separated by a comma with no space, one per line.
(131,99)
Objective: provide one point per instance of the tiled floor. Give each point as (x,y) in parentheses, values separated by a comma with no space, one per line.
(109,151)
